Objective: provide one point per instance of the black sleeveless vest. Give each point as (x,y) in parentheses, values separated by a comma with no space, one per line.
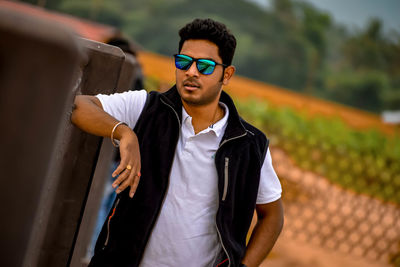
(238,161)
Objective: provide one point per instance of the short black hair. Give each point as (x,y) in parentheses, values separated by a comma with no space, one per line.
(213,31)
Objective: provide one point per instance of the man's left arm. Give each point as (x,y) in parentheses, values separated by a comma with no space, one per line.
(265,233)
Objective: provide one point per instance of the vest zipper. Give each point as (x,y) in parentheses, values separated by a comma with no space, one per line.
(223,199)
(176,114)
(225,192)
(226,180)
(222,243)
(108,223)
(233,138)
(166,191)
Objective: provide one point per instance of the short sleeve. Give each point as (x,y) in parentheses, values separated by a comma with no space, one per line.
(125,107)
(270,188)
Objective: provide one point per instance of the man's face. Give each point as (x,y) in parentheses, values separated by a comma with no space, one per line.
(198,89)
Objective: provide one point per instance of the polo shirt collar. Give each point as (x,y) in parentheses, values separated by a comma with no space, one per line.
(235,126)
(218,128)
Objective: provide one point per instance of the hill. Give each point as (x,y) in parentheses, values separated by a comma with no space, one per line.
(292,44)
(162,67)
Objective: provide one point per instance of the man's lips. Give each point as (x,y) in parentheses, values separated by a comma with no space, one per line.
(191,86)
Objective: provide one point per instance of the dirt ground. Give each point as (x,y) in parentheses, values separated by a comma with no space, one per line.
(373,228)
(291,253)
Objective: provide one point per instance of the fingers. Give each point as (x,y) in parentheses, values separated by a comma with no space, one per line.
(121,167)
(135,184)
(121,178)
(128,171)
(128,177)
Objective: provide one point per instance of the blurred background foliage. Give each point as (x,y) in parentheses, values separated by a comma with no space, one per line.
(365,162)
(292,44)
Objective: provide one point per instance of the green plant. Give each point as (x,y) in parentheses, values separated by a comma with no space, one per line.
(366,162)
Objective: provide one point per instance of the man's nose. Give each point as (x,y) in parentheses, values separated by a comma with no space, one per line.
(192,71)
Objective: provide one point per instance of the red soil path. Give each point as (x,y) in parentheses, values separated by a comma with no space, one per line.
(163,69)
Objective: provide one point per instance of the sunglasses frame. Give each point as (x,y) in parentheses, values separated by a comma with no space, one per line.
(197,62)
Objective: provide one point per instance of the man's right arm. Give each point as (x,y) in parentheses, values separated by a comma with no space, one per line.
(89,116)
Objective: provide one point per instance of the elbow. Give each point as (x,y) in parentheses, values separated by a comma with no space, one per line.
(80,105)
(73,117)
(74,114)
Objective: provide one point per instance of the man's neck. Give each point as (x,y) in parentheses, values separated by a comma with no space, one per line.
(204,116)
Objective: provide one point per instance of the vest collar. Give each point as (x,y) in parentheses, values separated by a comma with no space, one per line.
(234,128)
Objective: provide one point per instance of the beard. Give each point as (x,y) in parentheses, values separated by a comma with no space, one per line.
(202,95)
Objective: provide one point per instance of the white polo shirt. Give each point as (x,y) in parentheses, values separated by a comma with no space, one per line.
(185,233)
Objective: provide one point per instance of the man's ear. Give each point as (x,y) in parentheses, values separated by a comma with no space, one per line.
(228,73)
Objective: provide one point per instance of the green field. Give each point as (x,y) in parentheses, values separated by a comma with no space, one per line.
(366,162)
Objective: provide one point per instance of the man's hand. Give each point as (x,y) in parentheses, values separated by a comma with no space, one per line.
(90,117)
(128,170)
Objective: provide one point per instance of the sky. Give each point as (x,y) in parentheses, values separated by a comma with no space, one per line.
(356,13)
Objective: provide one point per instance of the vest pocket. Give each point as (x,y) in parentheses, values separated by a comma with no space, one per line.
(226,178)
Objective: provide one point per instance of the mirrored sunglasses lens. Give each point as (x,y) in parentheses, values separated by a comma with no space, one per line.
(205,66)
(182,63)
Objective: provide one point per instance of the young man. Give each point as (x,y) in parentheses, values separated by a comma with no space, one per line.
(202,169)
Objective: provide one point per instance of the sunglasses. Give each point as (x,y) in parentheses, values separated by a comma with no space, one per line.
(204,66)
